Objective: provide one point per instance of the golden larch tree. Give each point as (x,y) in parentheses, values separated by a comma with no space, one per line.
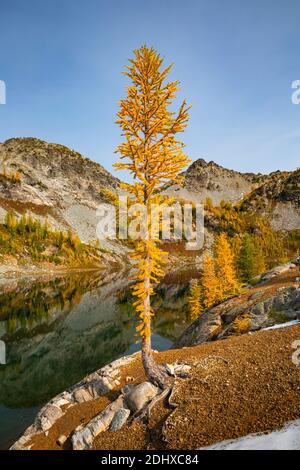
(210,283)
(151,152)
(226,270)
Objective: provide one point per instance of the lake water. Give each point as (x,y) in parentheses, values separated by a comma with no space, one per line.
(58,330)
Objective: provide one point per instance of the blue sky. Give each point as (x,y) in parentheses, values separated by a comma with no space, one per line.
(62,62)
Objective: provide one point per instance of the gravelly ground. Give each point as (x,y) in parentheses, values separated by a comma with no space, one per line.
(238,386)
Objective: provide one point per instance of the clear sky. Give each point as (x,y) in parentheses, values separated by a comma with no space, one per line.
(62,62)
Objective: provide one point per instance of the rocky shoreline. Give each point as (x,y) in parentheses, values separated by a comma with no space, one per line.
(274,299)
(97,384)
(204,409)
(130,402)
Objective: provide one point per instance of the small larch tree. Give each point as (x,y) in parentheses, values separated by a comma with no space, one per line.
(226,270)
(151,152)
(210,283)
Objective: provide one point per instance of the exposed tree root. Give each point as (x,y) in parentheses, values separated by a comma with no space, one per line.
(146,411)
(167,379)
(166,392)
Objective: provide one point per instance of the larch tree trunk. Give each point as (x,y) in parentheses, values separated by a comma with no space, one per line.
(154,372)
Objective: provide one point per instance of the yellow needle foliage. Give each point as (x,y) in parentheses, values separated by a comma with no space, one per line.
(210,283)
(218,281)
(150,149)
(226,270)
(151,152)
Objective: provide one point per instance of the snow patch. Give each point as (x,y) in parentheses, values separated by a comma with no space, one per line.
(282,325)
(287,438)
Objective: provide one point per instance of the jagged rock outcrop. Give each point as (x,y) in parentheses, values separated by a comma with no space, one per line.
(83,437)
(64,186)
(132,399)
(210,180)
(275,196)
(248,312)
(278,199)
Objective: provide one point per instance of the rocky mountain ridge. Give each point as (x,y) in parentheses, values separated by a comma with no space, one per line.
(278,199)
(54,182)
(209,180)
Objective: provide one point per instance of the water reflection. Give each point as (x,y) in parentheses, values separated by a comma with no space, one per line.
(59,330)
(30,305)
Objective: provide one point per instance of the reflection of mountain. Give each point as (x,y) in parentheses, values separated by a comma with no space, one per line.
(34,304)
(56,182)
(45,361)
(71,327)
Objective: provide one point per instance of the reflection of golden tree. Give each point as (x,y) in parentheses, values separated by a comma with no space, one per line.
(153,155)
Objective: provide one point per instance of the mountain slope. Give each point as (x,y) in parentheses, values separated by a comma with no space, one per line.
(275,196)
(52,181)
(278,199)
(209,180)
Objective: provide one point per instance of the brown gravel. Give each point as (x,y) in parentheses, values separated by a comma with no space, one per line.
(76,415)
(238,386)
